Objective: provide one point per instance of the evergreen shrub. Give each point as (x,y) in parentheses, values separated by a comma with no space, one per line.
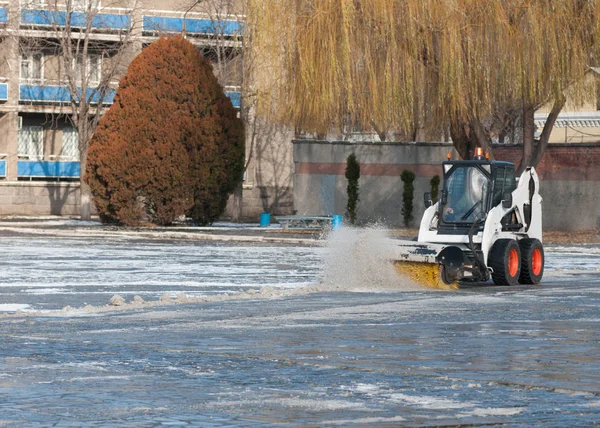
(352,175)
(408,178)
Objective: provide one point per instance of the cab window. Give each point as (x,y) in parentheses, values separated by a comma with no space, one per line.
(505,183)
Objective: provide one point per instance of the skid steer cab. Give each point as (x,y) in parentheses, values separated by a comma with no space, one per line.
(486,223)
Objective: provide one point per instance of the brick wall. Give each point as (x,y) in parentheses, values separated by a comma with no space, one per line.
(561,161)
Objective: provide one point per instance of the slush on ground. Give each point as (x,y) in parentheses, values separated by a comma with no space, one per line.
(217,333)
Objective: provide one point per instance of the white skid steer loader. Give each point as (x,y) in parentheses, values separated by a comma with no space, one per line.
(485,224)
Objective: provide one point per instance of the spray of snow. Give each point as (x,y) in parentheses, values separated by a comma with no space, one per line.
(360,260)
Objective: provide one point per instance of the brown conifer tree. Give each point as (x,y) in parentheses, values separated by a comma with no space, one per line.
(171,144)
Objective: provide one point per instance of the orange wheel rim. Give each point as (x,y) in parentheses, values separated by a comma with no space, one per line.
(536,262)
(513,262)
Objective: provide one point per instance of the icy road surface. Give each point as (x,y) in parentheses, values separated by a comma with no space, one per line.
(480,355)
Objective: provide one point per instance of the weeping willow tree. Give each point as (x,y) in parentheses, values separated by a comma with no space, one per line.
(398,65)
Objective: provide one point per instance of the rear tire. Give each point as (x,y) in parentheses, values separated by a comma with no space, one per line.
(505,260)
(532,261)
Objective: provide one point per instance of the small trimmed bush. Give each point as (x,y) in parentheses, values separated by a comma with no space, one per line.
(170,145)
(408,178)
(352,175)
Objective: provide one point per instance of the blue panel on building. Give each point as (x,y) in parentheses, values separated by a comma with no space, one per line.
(44,93)
(193,26)
(3,15)
(236,98)
(78,19)
(48,169)
(3,91)
(2,168)
(107,98)
(60,94)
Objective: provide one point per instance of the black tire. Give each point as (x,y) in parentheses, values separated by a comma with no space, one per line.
(504,272)
(532,261)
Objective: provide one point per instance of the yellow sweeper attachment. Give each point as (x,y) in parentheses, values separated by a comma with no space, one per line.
(427,274)
(431,265)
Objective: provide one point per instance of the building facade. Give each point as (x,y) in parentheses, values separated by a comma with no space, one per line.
(577,122)
(51,52)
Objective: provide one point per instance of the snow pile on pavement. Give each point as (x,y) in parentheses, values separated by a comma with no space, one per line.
(118,303)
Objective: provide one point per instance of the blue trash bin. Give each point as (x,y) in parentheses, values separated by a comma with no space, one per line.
(265,219)
(336,221)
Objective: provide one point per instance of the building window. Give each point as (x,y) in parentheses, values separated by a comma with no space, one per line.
(91,69)
(32,4)
(31,142)
(31,68)
(70,144)
(83,5)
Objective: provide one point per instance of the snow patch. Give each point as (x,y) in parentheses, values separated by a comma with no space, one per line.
(13,307)
(366,388)
(88,378)
(429,402)
(297,402)
(584,249)
(507,411)
(46,291)
(373,420)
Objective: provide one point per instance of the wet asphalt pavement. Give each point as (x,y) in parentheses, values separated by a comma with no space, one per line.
(477,356)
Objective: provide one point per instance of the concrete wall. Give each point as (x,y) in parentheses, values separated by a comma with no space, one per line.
(268,182)
(569,180)
(37,198)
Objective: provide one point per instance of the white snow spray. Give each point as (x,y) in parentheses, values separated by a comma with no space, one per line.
(360,260)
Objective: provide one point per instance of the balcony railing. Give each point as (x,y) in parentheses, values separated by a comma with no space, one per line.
(100,21)
(60,94)
(159,24)
(45,169)
(3,91)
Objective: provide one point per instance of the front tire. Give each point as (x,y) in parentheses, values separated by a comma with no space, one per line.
(505,260)
(532,261)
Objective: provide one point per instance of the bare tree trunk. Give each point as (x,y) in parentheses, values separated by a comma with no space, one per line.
(528,137)
(237,203)
(482,136)
(532,154)
(503,133)
(85,194)
(536,157)
(85,207)
(378,130)
(461,141)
